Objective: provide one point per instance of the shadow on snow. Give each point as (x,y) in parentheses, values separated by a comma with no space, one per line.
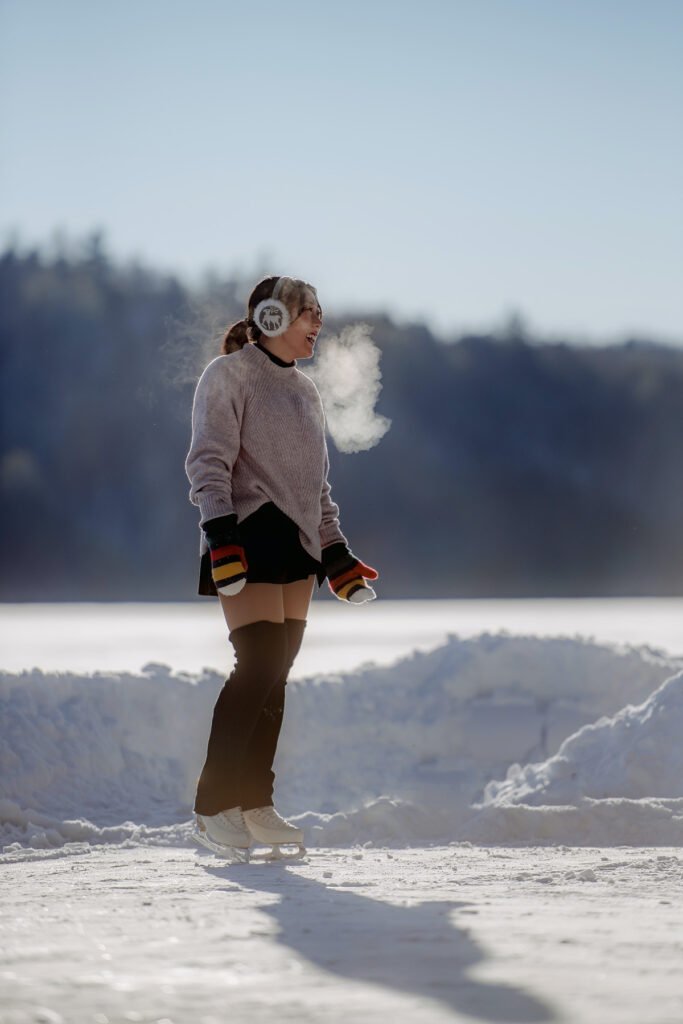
(414,949)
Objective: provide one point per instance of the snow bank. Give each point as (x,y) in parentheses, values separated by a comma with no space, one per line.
(406,752)
(635,753)
(92,757)
(620,778)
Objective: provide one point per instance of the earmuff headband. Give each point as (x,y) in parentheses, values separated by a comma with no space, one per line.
(271,316)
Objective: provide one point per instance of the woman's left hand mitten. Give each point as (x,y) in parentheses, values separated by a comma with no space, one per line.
(347,574)
(228,561)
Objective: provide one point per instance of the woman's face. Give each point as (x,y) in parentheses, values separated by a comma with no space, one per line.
(298,341)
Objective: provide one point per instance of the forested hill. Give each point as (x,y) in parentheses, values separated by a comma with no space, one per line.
(512,466)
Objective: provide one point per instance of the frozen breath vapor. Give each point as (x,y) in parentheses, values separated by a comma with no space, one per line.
(347,374)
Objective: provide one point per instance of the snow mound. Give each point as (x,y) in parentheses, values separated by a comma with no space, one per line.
(607,822)
(405,752)
(435,727)
(41,832)
(621,777)
(635,753)
(100,750)
(382,821)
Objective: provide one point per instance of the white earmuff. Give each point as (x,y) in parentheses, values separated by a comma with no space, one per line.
(271,316)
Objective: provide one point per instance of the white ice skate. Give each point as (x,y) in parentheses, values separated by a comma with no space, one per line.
(268,827)
(225,833)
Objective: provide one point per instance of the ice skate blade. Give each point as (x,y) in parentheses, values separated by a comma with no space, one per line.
(277,853)
(236,854)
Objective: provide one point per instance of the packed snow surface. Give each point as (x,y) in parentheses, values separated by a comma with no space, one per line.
(450,934)
(496,739)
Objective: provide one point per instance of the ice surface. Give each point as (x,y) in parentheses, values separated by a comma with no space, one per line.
(452,934)
(494,738)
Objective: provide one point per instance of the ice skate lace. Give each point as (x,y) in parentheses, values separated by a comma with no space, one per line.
(233,817)
(268,816)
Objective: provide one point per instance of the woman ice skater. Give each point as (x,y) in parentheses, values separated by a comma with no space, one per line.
(258,468)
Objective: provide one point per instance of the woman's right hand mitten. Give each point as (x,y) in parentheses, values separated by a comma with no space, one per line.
(228,561)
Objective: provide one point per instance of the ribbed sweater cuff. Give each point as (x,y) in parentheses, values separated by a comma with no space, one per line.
(331,535)
(213,505)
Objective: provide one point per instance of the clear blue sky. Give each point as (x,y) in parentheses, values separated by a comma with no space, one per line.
(448,161)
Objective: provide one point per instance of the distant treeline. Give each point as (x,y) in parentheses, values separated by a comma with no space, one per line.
(512,466)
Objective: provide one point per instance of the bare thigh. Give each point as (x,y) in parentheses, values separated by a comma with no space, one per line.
(297,597)
(254,603)
(272,602)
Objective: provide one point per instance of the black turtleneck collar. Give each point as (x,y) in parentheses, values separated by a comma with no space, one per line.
(273,357)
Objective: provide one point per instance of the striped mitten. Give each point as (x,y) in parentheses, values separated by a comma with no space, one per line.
(347,574)
(228,561)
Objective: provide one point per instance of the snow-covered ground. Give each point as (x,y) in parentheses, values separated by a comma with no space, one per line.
(495,832)
(423,935)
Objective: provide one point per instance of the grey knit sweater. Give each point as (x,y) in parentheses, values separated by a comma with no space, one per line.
(258,435)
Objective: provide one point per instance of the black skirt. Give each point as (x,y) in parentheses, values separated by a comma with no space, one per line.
(273,550)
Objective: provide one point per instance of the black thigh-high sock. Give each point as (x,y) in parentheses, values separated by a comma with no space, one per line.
(261,650)
(258,777)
